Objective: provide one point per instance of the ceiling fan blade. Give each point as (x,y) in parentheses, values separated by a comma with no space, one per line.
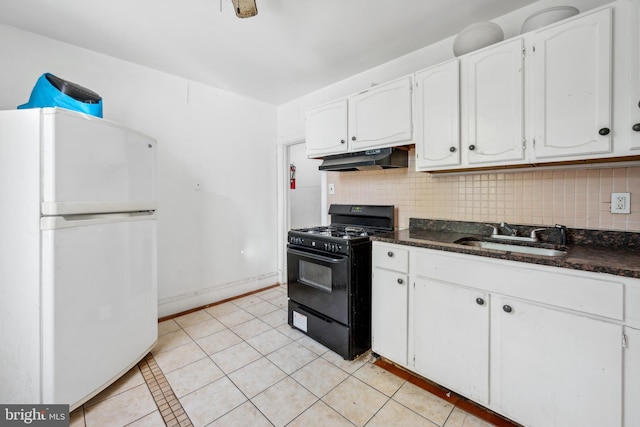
(245,8)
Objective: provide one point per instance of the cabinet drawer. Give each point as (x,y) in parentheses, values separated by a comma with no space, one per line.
(390,257)
(574,290)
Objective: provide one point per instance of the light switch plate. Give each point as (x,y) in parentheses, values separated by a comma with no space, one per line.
(621,203)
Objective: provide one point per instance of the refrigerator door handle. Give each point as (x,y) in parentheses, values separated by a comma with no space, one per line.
(74,208)
(68,221)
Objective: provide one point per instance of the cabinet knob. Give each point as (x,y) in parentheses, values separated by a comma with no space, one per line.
(604,131)
(507,308)
(472,147)
(400,281)
(636,127)
(353,138)
(342,141)
(480,301)
(390,254)
(452,149)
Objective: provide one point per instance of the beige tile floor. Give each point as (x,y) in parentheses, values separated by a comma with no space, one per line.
(240,364)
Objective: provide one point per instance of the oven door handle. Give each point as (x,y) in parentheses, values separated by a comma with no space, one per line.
(316,257)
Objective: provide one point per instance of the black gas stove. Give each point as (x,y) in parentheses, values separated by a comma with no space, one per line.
(329,277)
(332,238)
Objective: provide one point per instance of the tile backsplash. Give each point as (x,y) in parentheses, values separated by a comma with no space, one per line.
(577,198)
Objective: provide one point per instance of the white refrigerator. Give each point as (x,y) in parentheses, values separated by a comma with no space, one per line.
(78,284)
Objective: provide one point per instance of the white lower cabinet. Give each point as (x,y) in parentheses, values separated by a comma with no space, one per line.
(389,325)
(540,345)
(631,377)
(389,296)
(553,367)
(450,339)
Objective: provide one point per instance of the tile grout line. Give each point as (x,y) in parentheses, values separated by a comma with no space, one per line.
(168,404)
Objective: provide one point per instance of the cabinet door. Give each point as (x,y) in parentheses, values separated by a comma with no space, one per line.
(326,131)
(438,117)
(551,367)
(381,116)
(493,92)
(632,51)
(571,88)
(632,377)
(450,332)
(389,315)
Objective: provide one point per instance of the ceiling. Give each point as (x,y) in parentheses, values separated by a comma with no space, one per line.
(291,48)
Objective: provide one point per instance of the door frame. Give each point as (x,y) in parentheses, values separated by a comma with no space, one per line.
(284,211)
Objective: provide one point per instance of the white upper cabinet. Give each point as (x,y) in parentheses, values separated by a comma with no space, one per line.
(631,50)
(378,117)
(381,116)
(571,86)
(437,101)
(326,131)
(493,97)
(567,92)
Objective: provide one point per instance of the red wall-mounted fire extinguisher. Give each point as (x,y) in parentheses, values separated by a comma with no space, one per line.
(292,176)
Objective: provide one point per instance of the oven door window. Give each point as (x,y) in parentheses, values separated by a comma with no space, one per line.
(315,275)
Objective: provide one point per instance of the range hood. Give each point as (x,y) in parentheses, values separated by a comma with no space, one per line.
(380,158)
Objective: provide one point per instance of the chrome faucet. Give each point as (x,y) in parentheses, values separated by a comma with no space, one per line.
(494,230)
(508,228)
(533,235)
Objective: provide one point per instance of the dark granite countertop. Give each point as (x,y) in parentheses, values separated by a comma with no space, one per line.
(612,252)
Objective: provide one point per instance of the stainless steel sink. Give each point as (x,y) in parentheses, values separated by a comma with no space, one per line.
(532,250)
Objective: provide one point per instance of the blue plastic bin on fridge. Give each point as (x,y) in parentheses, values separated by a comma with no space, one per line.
(52,91)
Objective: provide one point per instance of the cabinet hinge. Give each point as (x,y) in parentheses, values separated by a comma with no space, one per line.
(524,143)
(534,143)
(624,341)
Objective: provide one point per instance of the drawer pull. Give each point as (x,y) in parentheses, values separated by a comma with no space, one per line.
(507,308)
(390,254)
(479,301)
(400,281)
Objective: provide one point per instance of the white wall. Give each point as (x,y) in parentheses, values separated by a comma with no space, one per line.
(212,244)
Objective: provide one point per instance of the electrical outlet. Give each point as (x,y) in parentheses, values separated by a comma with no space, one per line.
(621,203)
(332,189)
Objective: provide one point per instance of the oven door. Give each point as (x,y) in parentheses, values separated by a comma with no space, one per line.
(319,281)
